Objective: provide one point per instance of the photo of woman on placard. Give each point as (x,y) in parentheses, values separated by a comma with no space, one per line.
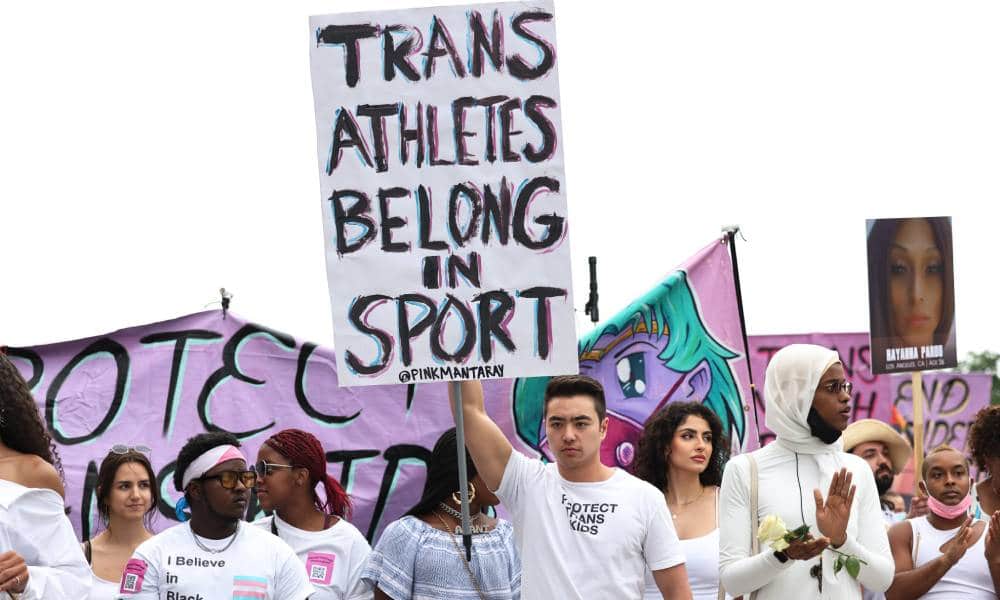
(911,289)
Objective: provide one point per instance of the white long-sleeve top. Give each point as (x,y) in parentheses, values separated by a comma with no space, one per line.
(33,524)
(778,494)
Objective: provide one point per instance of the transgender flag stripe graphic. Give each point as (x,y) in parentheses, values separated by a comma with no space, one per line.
(249,588)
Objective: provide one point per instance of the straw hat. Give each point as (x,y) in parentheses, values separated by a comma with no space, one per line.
(873,430)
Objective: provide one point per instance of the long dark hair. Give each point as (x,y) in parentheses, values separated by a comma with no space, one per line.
(106,481)
(21,427)
(442,474)
(651,461)
(880,238)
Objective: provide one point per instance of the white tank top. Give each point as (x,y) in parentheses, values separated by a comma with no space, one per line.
(701,560)
(969,578)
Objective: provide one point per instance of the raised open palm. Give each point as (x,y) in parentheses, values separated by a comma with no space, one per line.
(833,514)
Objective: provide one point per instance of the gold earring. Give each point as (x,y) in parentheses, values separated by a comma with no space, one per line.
(457,497)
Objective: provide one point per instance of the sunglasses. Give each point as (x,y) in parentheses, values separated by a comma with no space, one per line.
(228,479)
(123,449)
(264,468)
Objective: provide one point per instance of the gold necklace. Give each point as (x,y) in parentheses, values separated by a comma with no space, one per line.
(468,569)
(680,504)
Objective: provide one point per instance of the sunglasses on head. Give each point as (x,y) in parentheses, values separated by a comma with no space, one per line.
(123,449)
(228,479)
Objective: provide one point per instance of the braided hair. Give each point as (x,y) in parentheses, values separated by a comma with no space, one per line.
(302,449)
(442,474)
(21,427)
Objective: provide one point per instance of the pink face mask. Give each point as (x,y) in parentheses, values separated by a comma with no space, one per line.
(949,512)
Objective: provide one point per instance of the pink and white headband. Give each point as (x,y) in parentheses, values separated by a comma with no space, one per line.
(207,461)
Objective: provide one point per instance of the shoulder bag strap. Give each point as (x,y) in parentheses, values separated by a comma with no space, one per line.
(722,590)
(754,517)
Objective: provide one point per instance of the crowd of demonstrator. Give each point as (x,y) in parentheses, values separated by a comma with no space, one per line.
(689,523)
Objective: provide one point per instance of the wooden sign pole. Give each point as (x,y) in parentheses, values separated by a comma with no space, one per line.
(917,394)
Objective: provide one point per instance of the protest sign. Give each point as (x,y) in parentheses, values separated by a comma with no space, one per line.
(911,294)
(443,195)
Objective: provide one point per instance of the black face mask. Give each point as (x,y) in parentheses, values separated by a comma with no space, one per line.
(821,429)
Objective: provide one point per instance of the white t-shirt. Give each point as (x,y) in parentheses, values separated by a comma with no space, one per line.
(33,524)
(333,558)
(170,566)
(585,541)
(102,589)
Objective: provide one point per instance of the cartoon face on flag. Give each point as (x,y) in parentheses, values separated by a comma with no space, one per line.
(661,348)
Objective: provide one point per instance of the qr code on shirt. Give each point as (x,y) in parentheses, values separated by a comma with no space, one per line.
(135,571)
(319,566)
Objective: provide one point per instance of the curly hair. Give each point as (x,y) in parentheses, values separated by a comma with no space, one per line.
(658,433)
(984,437)
(21,427)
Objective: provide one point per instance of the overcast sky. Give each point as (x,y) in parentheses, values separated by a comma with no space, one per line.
(152,153)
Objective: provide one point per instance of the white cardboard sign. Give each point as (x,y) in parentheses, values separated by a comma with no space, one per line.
(443,194)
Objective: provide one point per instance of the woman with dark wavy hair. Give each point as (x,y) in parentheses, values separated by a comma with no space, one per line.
(682,451)
(27,454)
(39,555)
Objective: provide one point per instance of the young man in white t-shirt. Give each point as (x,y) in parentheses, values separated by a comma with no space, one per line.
(214,556)
(584,530)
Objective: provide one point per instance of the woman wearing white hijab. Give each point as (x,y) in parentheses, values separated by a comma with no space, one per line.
(808,406)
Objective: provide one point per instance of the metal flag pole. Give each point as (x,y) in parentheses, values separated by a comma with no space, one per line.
(463,475)
(730,231)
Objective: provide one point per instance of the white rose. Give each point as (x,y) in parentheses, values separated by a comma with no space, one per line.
(779,545)
(772,528)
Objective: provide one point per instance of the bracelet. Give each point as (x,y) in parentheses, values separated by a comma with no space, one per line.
(781,556)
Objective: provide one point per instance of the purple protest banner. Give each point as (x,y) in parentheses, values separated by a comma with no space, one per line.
(159,384)
(162,383)
(871,392)
(952,399)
